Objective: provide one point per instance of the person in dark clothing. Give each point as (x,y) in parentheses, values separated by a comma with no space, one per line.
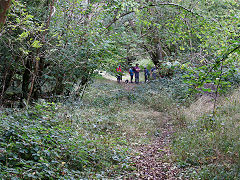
(154,72)
(146,74)
(137,70)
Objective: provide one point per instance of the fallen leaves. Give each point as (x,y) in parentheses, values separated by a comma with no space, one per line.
(154,160)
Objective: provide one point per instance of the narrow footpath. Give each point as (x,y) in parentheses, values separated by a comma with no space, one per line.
(154,160)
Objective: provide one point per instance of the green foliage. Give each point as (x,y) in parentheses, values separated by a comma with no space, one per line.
(51,141)
(40,143)
(83,37)
(220,45)
(168,68)
(221,74)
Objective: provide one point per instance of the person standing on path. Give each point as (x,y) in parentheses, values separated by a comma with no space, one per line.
(154,72)
(146,74)
(131,72)
(119,74)
(137,70)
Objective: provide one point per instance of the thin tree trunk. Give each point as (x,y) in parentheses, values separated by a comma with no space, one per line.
(48,20)
(26,79)
(4,6)
(159,51)
(6,82)
(33,80)
(36,71)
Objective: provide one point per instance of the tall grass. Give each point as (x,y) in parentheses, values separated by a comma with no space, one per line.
(209,148)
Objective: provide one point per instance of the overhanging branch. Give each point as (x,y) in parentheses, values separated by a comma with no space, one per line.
(115,19)
(225,56)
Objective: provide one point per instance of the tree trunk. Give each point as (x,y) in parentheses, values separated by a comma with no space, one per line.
(33,80)
(37,90)
(159,51)
(155,58)
(85,78)
(7,79)
(58,90)
(26,79)
(4,6)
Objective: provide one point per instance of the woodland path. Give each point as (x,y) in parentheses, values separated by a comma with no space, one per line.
(154,160)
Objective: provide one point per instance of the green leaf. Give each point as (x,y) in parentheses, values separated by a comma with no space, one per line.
(36,44)
(206,89)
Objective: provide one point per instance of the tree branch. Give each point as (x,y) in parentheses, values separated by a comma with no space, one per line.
(115,19)
(225,56)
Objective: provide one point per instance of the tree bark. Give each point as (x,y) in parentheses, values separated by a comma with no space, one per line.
(33,80)
(7,79)
(26,79)
(4,6)
(59,88)
(159,51)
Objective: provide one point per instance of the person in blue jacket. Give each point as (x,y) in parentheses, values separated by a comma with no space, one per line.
(131,72)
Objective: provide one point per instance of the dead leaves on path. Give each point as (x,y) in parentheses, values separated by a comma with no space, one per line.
(154,159)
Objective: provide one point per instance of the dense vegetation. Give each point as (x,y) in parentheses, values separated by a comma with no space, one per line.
(49,48)
(59,118)
(90,138)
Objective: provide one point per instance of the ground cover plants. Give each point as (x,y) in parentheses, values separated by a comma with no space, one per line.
(59,119)
(97,136)
(208,146)
(46,142)
(93,137)
(42,143)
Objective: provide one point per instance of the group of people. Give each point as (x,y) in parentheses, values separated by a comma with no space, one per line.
(135,70)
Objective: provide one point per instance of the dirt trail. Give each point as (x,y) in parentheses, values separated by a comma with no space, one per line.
(129,86)
(154,159)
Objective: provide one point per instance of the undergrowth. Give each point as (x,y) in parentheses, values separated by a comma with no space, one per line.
(209,148)
(90,138)
(42,142)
